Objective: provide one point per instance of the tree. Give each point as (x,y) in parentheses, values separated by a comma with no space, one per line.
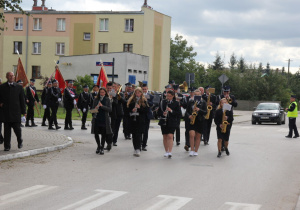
(13,5)
(81,81)
(218,64)
(182,61)
(232,62)
(241,64)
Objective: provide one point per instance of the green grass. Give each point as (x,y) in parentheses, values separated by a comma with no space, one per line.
(61,114)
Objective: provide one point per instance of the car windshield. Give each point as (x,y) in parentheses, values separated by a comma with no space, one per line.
(267,107)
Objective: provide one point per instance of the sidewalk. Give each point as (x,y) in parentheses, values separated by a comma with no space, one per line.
(37,141)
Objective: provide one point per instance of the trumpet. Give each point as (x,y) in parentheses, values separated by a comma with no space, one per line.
(224,123)
(209,108)
(184,86)
(194,114)
(229,100)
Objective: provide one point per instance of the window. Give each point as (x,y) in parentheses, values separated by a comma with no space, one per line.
(129,25)
(135,71)
(61,24)
(36,47)
(128,47)
(129,70)
(36,72)
(140,72)
(17,47)
(37,23)
(87,36)
(60,48)
(103,48)
(18,23)
(104,24)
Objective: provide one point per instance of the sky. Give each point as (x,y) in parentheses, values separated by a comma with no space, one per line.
(266,31)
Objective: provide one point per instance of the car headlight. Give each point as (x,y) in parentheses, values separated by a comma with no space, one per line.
(255,114)
(274,114)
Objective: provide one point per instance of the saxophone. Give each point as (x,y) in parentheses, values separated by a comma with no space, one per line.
(209,108)
(224,122)
(194,114)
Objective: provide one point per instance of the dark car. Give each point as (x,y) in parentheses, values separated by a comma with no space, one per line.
(268,112)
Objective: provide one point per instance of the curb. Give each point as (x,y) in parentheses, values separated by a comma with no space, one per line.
(37,151)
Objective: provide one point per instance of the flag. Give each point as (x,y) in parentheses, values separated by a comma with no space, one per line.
(20,73)
(102,78)
(60,79)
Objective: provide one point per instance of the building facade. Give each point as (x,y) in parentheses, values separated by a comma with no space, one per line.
(45,35)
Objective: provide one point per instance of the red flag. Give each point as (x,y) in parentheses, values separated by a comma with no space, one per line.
(20,73)
(103,77)
(60,79)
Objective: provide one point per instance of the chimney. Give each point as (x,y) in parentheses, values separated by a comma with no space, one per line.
(145,4)
(43,3)
(34,3)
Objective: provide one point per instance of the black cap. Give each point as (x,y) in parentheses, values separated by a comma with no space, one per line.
(171,82)
(96,86)
(168,86)
(128,84)
(293,96)
(226,89)
(207,87)
(70,82)
(19,81)
(54,81)
(49,83)
(192,89)
(85,86)
(144,85)
(32,80)
(175,87)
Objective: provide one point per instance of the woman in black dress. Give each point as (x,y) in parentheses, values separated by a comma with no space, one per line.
(198,107)
(138,106)
(101,120)
(169,113)
(223,117)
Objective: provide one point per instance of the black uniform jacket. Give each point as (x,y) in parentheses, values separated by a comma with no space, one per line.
(52,97)
(137,124)
(85,100)
(68,99)
(200,114)
(172,117)
(31,97)
(13,102)
(219,117)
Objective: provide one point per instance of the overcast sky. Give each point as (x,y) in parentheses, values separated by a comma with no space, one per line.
(259,30)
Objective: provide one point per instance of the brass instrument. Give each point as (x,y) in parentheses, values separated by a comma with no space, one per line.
(194,114)
(229,100)
(140,83)
(184,86)
(118,93)
(224,122)
(209,107)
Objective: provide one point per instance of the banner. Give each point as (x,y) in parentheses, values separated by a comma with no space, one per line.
(60,80)
(102,78)
(21,74)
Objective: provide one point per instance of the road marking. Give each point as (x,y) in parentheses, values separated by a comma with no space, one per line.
(103,197)
(239,206)
(169,203)
(25,193)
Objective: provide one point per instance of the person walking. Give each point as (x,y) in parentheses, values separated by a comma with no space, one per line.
(31,100)
(292,115)
(12,104)
(85,100)
(46,108)
(69,104)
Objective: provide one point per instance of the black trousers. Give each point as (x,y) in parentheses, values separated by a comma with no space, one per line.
(117,128)
(145,134)
(84,115)
(187,134)
(53,118)
(1,136)
(16,126)
(206,130)
(68,119)
(46,115)
(293,127)
(30,114)
(136,140)
(126,125)
(102,131)
(177,130)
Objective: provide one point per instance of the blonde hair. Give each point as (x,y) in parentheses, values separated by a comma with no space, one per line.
(141,102)
(198,92)
(220,106)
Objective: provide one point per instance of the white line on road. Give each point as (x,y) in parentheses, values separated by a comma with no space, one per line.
(103,197)
(170,203)
(239,206)
(25,193)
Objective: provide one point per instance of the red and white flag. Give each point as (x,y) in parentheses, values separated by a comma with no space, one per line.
(60,80)
(102,78)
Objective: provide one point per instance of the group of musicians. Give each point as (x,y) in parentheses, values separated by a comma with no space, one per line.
(110,105)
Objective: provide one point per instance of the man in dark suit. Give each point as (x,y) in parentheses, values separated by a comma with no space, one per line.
(31,99)
(178,97)
(149,116)
(126,118)
(84,102)
(46,108)
(120,113)
(12,103)
(69,102)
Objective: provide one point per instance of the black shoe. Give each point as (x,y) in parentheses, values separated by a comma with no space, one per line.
(1,141)
(296,137)
(98,150)
(206,143)
(27,125)
(83,128)
(33,125)
(186,147)
(71,128)
(51,128)
(6,149)
(144,149)
(21,125)
(44,124)
(101,152)
(108,147)
(20,145)
(288,137)
(227,151)
(115,144)
(67,128)
(219,154)
(177,143)
(57,127)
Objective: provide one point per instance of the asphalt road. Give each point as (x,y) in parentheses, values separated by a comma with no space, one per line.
(262,172)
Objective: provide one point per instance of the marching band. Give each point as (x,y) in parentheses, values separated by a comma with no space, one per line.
(135,107)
